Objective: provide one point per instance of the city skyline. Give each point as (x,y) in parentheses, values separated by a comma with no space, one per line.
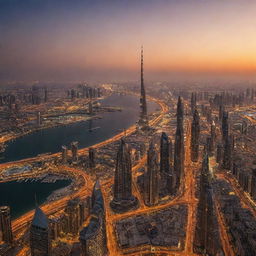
(98,40)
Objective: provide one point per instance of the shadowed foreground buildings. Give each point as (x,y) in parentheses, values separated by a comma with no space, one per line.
(93,237)
(151,177)
(166,175)
(207,239)
(195,133)
(123,199)
(40,241)
(5,225)
(179,146)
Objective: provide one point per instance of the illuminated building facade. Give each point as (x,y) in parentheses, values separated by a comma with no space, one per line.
(178,166)
(195,133)
(93,236)
(151,177)
(166,175)
(40,240)
(5,225)
(123,199)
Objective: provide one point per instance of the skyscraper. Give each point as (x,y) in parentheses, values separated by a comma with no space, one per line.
(213,136)
(73,216)
(5,225)
(90,108)
(91,157)
(166,176)
(64,154)
(74,149)
(93,236)
(151,177)
(225,126)
(193,102)
(123,199)
(39,118)
(143,121)
(228,152)
(40,242)
(178,166)
(195,133)
(207,239)
(45,95)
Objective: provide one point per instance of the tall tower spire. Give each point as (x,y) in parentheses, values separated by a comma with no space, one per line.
(143,122)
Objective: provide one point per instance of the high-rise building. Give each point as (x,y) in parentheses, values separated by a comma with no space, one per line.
(45,95)
(193,102)
(195,133)
(225,126)
(91,157)
(213,136)
(40,241)
(207,238)
(151,177)
(39,119)
(219,154)
(143,121)
(73,216)
(178,166)
(123,199)
(74,149)
(5,225)
(221,110)
(228,152)
(90,108)
(166,175)
(93,236)
(253,184)
(64,154)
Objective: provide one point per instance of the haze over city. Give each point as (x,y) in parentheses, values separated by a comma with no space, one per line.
(127,128)
(98,40)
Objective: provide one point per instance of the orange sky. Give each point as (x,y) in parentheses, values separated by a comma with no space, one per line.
(86,37)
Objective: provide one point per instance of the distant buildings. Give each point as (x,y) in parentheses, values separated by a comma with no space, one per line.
(39,119)
(123,199)
(5,225)
(193,102)
(90,108)
(64,154)
(40,240)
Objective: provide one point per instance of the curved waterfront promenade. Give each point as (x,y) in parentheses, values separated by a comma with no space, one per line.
(19,225)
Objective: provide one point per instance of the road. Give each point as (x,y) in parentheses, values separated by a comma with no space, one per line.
(21,224)
(187,197)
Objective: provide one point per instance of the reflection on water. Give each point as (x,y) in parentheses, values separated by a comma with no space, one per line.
(86,133)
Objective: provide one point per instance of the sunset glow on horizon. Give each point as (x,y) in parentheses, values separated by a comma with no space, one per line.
(96,39)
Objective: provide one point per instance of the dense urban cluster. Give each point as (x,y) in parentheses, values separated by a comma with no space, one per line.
(182,180)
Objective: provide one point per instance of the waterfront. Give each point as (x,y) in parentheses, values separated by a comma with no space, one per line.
(86,133)
(20,196)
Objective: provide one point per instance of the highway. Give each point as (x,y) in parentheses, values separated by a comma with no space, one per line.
(186,198)
(21,224)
